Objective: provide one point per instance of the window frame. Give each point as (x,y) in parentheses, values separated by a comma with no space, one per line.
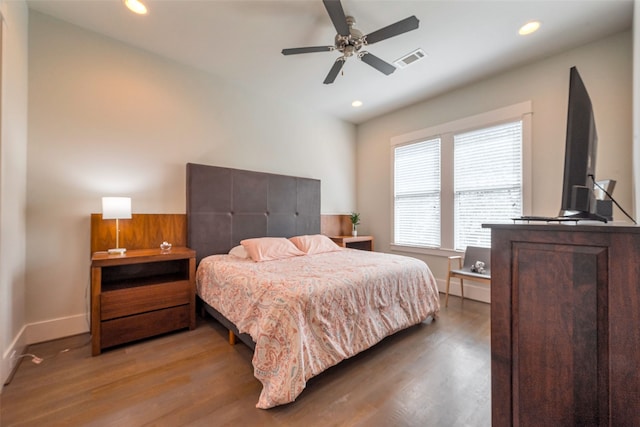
(521,111)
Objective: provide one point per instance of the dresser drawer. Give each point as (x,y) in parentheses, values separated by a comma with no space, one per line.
(140,299)
(131,328)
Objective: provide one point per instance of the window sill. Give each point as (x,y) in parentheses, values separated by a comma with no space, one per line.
(441,252)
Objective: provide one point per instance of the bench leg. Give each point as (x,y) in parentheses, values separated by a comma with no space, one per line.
(446,298)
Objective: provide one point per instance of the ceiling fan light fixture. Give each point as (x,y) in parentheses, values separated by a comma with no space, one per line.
(136,6)
(349,40)
(529,28)
(349,50)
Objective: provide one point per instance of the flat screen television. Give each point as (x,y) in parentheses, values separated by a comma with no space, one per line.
(580,154)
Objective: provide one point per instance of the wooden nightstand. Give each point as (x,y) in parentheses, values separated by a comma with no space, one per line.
(364,243)
(142,293)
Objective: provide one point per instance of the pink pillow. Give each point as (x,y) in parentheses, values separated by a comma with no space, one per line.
(270,248)
(239,252)
(315,244)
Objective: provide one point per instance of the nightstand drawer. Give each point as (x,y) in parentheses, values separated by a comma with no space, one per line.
(131,328)
(364,243)
(140,299)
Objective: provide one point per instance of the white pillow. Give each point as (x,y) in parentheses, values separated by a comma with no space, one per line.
(239,252)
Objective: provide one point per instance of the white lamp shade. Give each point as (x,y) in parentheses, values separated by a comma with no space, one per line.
(116,207)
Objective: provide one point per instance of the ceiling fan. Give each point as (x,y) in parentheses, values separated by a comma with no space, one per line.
(350,40)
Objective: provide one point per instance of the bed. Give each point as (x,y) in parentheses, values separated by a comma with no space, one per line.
(298,315)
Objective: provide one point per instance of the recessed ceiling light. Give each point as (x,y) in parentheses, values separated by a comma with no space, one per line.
(356,104)
(136,6)
(529,27)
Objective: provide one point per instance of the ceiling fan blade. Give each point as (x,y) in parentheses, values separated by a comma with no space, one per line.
(310,49)
(333,73)
(336,13)
(400,27)
(377,63)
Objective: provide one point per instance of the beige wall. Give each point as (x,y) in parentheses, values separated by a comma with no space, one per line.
(13,180)
(109,119)
(606,68)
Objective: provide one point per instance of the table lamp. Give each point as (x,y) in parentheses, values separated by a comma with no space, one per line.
(116,208)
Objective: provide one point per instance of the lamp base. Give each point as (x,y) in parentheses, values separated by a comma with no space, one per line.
(117,251)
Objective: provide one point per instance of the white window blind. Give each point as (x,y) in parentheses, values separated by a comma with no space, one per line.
(417,194)
(487,181)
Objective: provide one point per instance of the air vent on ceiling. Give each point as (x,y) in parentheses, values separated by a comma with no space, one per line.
(410,58)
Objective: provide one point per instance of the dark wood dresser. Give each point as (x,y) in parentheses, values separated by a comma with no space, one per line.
(565,325)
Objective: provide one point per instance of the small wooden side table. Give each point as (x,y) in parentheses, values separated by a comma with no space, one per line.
(364,243)
(139,294)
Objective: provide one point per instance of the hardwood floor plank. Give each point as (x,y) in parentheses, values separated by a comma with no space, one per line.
(435,374)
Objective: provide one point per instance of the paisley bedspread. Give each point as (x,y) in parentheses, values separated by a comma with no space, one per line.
(307,313)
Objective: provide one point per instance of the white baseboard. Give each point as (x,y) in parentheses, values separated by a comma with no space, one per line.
(472,290)
(57,328)
(16,348)
(33,333)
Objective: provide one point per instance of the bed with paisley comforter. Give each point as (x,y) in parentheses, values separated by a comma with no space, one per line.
(307,313)
(302,303)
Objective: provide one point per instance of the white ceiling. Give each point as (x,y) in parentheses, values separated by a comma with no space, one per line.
(241,40)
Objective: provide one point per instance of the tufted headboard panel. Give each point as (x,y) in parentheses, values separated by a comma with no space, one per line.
(227,205)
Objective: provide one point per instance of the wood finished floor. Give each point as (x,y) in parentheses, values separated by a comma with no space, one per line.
(435,374)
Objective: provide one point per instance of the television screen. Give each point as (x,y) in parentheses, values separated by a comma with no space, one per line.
(580,152)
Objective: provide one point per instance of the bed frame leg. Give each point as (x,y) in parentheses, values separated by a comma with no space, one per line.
(232,338)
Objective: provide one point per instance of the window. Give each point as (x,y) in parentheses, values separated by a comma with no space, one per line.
(417,193)
(450,179)
(487,181)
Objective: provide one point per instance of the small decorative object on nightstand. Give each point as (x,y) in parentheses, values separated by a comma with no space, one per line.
(165,246)
(355,220)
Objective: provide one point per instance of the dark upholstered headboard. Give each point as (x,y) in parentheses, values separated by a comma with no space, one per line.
(225,206)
